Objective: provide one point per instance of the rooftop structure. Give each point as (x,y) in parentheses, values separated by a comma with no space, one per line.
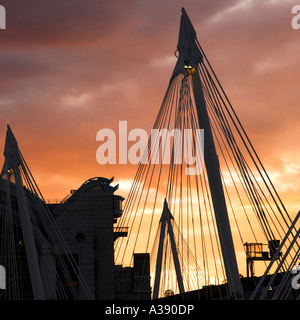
(86,220)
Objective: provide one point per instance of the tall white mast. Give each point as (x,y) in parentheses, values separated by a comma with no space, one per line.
(187,64)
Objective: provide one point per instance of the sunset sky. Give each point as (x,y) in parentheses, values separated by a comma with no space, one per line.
(70,68)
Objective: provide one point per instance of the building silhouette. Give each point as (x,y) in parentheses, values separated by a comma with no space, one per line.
(86,219)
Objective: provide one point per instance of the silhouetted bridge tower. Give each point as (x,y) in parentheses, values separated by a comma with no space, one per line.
(217,210)
(203,217)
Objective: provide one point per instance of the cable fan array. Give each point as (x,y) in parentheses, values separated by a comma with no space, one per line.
(57,276)
(255,210)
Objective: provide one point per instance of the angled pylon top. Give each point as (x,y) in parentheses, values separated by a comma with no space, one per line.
(11,152)
(166,214)
(187,32)
(11,144)
(189,53)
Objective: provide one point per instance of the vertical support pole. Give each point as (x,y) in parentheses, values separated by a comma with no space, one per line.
(159,259)
(12,161)
(175,258)
(189,57)
(215,184)
(9,244)
(30,247)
